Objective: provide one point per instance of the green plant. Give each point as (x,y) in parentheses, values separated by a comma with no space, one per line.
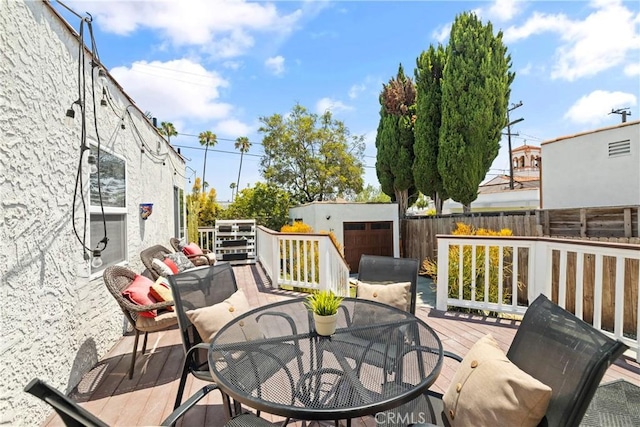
(323,303)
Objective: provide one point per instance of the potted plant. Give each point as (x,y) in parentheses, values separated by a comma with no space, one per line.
(324,306)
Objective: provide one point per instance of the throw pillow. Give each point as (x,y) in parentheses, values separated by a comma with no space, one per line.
(138,293)
(209,320)
(192,249)
(172,265)
(397,295)
(488,389)
(180,260)
(161,291)
(160,268)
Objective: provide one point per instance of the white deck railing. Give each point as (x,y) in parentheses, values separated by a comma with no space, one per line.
(309,261)
(600,279)
(207,238)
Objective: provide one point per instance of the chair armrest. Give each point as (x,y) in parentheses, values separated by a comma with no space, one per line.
(201,257)
(286,317)
(180,410)
(136,308)
(452,356)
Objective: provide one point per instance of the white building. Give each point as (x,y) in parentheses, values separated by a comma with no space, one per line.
(497,195)
(58,318)
(591,169)
(361,228)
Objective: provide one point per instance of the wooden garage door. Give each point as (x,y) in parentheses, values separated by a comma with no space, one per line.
(371,238)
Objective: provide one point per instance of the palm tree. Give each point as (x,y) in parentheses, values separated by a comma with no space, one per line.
(232,186)
(167,129)
(242,144)
(207,139)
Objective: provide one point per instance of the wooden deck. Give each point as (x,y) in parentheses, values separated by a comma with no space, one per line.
(148,398)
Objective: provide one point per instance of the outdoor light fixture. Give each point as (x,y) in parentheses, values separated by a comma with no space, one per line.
(97,258)
(102,76)
(93,164)
(69,116)
(103,101)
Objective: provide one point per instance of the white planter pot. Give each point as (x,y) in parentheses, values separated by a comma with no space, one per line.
(325,325)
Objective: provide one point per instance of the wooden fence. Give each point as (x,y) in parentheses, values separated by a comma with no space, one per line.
(612,224)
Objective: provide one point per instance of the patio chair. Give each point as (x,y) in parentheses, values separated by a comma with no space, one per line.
(74,415)
(387,270)
(559,350)
(204,287)
(147,256)
(200,257)
(117,279)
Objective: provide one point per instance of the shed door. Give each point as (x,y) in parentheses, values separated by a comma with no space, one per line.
(371,238)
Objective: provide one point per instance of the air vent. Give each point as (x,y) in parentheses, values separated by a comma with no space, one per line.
(619,148)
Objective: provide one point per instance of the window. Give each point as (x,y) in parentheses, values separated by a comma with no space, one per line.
(114,200)
(178,212)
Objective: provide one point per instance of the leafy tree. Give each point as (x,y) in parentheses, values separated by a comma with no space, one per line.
(167,129)
(394,140)
(475,94)
(208,209)
(207,139)
(430,65)
(267,203)
(242,144)
(372,194)
(313,157)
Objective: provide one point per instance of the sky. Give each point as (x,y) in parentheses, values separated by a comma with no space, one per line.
(221,65)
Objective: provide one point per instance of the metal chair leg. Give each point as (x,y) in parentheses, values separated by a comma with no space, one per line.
(133,354)
(183,382)
(144,343)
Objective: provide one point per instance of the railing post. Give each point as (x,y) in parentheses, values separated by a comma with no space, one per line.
(276,260)
(442,289)
(323,265)
(540,271)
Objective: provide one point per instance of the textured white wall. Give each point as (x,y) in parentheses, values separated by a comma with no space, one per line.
(315,215)
(578,172)
(55,322)
(524,198)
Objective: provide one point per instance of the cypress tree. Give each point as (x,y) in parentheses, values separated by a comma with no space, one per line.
(428,74)
(475,94)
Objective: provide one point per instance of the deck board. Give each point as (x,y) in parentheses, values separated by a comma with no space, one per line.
(149,397)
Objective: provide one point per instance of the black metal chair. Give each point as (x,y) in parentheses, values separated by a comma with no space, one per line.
(74,415)
(378,269)
(193,289)
(563,352)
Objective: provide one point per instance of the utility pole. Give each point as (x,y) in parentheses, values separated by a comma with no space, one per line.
(624,112)
(509,124)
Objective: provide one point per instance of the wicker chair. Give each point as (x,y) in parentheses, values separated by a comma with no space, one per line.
(147,256)
(117,279)
(206,258)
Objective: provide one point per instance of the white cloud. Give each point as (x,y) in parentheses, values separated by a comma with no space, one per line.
(601,41)
(526,70)
(332,105)
(232,128)
(594,107)
(224,27)
(504,10)
(232,65)
(632,70)
(442,33)
(178,89)
(356,90)
(275,65)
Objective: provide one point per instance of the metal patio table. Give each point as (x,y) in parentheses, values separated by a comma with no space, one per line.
(378,359)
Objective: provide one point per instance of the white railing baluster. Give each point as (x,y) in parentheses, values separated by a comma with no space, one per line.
(442,283)
(500,274)
(487,256)
(473,273)
(619,298)
(514,276)
(460,272)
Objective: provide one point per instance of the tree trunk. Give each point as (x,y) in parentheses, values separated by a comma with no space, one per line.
(439,203)
(239,170)
(402,197)
(466,208)
(204,169)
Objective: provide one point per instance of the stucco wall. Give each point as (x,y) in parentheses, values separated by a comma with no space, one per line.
(330,216)
(56,321)
(524,198)
(578,172)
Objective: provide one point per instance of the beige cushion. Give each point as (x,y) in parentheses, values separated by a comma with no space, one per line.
(209,320)
(397,295)
(489,390)
(161,291)
(163,320)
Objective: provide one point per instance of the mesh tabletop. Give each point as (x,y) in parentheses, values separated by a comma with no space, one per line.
(271,359)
